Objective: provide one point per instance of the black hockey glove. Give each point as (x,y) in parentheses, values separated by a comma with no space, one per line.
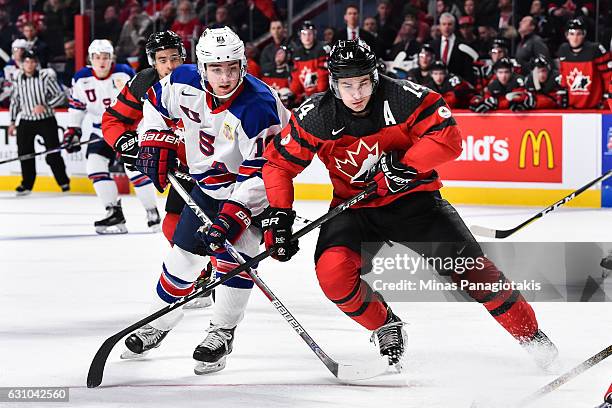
(486,105)
(127,147)
(527,103)
(72,138)
(277,223)
(391,176)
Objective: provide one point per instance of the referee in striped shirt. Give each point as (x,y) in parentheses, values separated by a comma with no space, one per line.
(36,92)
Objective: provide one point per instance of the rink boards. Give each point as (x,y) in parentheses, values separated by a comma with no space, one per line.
(507,159)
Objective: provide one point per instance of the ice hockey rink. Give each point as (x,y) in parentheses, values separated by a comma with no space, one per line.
(65,290)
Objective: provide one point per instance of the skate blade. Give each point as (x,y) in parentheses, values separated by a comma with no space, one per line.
(203,368)
(155,228)
(115,229)
(199,303)
(130,355)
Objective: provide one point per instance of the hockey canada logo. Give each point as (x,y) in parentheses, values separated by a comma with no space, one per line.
(578,83)
(358,161)
(308,77)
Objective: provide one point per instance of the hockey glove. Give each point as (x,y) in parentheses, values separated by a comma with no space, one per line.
(562,98)
(157,156)
(391,176)
(232,221)
(277,223)
(127,147)
(72,138)
(486,105)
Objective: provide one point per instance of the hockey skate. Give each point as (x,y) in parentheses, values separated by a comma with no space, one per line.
(153,220)
(21,191)
(212,352)
(114,223)
(606,264)
(391,339)
(141,341)
(543,351)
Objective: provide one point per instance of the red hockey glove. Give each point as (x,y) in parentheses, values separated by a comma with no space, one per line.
(72,138)
(229,225)
(157,156)
(391,176)
(277,224)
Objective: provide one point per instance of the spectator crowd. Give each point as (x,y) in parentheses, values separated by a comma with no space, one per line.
(479,54)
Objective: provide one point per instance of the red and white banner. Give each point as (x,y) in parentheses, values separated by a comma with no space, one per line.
(508,148)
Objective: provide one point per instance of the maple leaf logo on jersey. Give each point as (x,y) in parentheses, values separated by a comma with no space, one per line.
(578,82)
(358,161)
(308,77)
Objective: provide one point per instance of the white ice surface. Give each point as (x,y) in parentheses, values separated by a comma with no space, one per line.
(64,290)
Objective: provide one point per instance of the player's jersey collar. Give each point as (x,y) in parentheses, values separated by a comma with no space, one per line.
(226,104)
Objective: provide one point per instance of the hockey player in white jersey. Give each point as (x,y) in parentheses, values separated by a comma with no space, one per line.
(225,117)
(94,88)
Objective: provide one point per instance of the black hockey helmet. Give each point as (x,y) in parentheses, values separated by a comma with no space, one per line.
(502,63)
(30,54)
(427,48)
(307,25)
(499,43)
(575,24)
(164,40)
(351,58)
(541,61)
(438,66)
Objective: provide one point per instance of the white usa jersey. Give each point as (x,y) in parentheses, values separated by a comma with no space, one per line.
(224,145)
(90,95)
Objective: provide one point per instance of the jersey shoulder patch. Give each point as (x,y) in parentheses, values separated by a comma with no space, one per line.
(255,107)
(187,74)
(143,80)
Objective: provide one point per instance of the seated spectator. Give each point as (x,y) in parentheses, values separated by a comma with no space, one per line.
(545,28)
(456,92)
(469,10)
(486,34)
(110,27)
(57,21)
(8,32)
(166,18)
(134,33)
(386,26)
(420,74)
(309,74)
(35,17)
(468,35)
(405,41)
(584,66)
(279,76)
(452,51)
(268,54)
(531,44)
(504,92)
(505,19)
(329,36)
(35,44)
(187,25)
(252,54)
(544,87)
(369,25)
(352,31)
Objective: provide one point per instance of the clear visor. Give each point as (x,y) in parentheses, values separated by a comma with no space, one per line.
(574,31)
(355,89)
(218,73)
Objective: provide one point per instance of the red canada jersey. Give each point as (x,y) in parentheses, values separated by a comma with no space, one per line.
(277,78)
(309,73)
(548,95)
(504,93)
(585,74)
(456,92)
(404,117)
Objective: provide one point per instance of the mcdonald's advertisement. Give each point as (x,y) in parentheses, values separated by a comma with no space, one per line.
(508,148)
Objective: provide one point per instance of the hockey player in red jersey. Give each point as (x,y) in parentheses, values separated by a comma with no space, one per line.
(165,52)
(585,67)
(421,73)
(455,91)
(543,87)
(309,74)
(372,129)
(505,91)
(607,399)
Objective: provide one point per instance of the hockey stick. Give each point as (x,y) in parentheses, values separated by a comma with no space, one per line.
(571,374)
(54,150)
(343,372)
(493,233)
(96,369)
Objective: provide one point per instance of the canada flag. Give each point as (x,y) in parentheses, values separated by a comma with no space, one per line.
(358,161)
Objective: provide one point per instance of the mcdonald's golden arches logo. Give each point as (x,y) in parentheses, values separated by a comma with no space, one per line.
(536,144)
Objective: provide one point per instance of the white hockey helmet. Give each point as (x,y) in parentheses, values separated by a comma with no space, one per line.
(220,45)
(99,47)
(20,43)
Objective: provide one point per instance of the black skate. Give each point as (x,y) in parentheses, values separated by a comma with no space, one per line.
(153,220)
(543,351)
(141,341)
(391,339)
(114,223)
(606,264)
(21,191)
(212,352)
